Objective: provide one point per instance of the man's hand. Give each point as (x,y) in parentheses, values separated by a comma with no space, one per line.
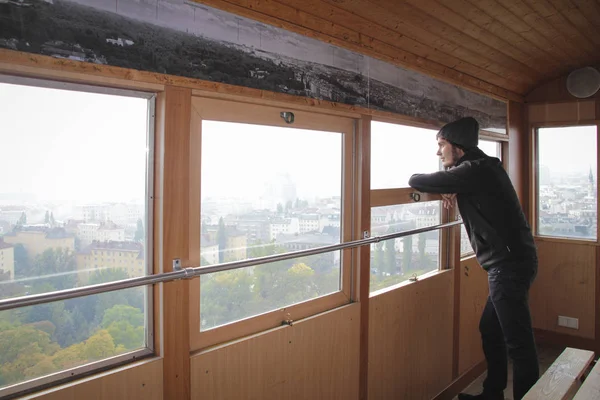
(448,200)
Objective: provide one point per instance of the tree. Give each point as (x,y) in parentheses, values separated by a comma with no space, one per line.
(139,232)
(23,219)
(406,253)
(279,208)
(125,325)
(47,217)
(99,346)
(422,246)
(390,257)
(57,267)
(378,258)
(22,265)
(222,239)
(225,297)
(52,220)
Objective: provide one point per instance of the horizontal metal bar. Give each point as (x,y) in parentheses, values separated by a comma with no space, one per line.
(197,271)
(186,273)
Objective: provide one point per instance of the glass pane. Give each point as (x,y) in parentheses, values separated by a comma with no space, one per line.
(567,182)
(490,148)
(399,151)
(396,260)
(72,213)
(277,190)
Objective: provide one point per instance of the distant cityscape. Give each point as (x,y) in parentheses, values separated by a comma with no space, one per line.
(567,205)
(105,235)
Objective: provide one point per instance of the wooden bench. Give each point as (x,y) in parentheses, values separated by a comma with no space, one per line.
(591,386)
(560,381)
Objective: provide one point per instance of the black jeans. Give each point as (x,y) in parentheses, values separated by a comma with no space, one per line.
(505,327)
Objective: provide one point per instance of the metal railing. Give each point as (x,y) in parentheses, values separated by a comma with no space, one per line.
(191,272)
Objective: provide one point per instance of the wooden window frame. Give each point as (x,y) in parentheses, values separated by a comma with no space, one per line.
(41,81)
(241,112)
(533,179)
(403,195)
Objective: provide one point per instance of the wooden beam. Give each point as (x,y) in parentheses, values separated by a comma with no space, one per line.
(591,386)
(517,145)
(172,195)
(560,380)
(389,197)
(402,58)
(363,150)
(459,384)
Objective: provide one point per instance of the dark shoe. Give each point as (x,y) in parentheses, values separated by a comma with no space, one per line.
(481,396)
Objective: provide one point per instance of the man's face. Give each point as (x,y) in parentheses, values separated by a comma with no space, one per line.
(448,154)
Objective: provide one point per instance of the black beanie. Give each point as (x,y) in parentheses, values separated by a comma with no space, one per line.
(463,132)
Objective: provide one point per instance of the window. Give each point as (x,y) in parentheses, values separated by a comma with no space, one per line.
(57,180)
(396,260)
(251,209)
(566,182)
(397,152)
(280,188)
(492,149)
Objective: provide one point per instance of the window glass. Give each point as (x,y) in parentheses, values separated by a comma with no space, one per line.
(267,190)
(399,151)
(566,182)
(396,260)
(72,213)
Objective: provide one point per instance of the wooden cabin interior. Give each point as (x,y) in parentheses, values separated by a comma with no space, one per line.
(144,138)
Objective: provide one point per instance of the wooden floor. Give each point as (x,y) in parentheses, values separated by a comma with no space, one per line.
(546,356)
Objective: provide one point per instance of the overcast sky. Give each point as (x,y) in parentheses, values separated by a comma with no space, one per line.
(68,145)
(84,147)
(568,150)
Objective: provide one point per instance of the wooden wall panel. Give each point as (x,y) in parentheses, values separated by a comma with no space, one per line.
(554,91)
(142,381)
(473,296)
(565,285)
(316,358)
(572,112)
(410,339)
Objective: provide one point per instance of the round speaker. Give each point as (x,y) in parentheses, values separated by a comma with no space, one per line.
(583,82)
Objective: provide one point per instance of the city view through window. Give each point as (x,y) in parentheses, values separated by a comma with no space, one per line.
(267,190)
(567,182)
(72,213)
(397,152)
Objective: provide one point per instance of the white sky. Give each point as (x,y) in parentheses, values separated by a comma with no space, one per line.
(239,159)
(72,146)
(84,147)
(398,151)
(568,150)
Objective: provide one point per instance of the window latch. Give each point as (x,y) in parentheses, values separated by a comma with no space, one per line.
(415,196)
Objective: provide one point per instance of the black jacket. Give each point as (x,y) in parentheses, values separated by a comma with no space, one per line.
(488,205)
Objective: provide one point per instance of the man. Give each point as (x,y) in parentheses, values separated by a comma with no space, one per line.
(503,245)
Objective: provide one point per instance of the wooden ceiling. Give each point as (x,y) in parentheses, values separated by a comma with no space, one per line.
(504,48)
